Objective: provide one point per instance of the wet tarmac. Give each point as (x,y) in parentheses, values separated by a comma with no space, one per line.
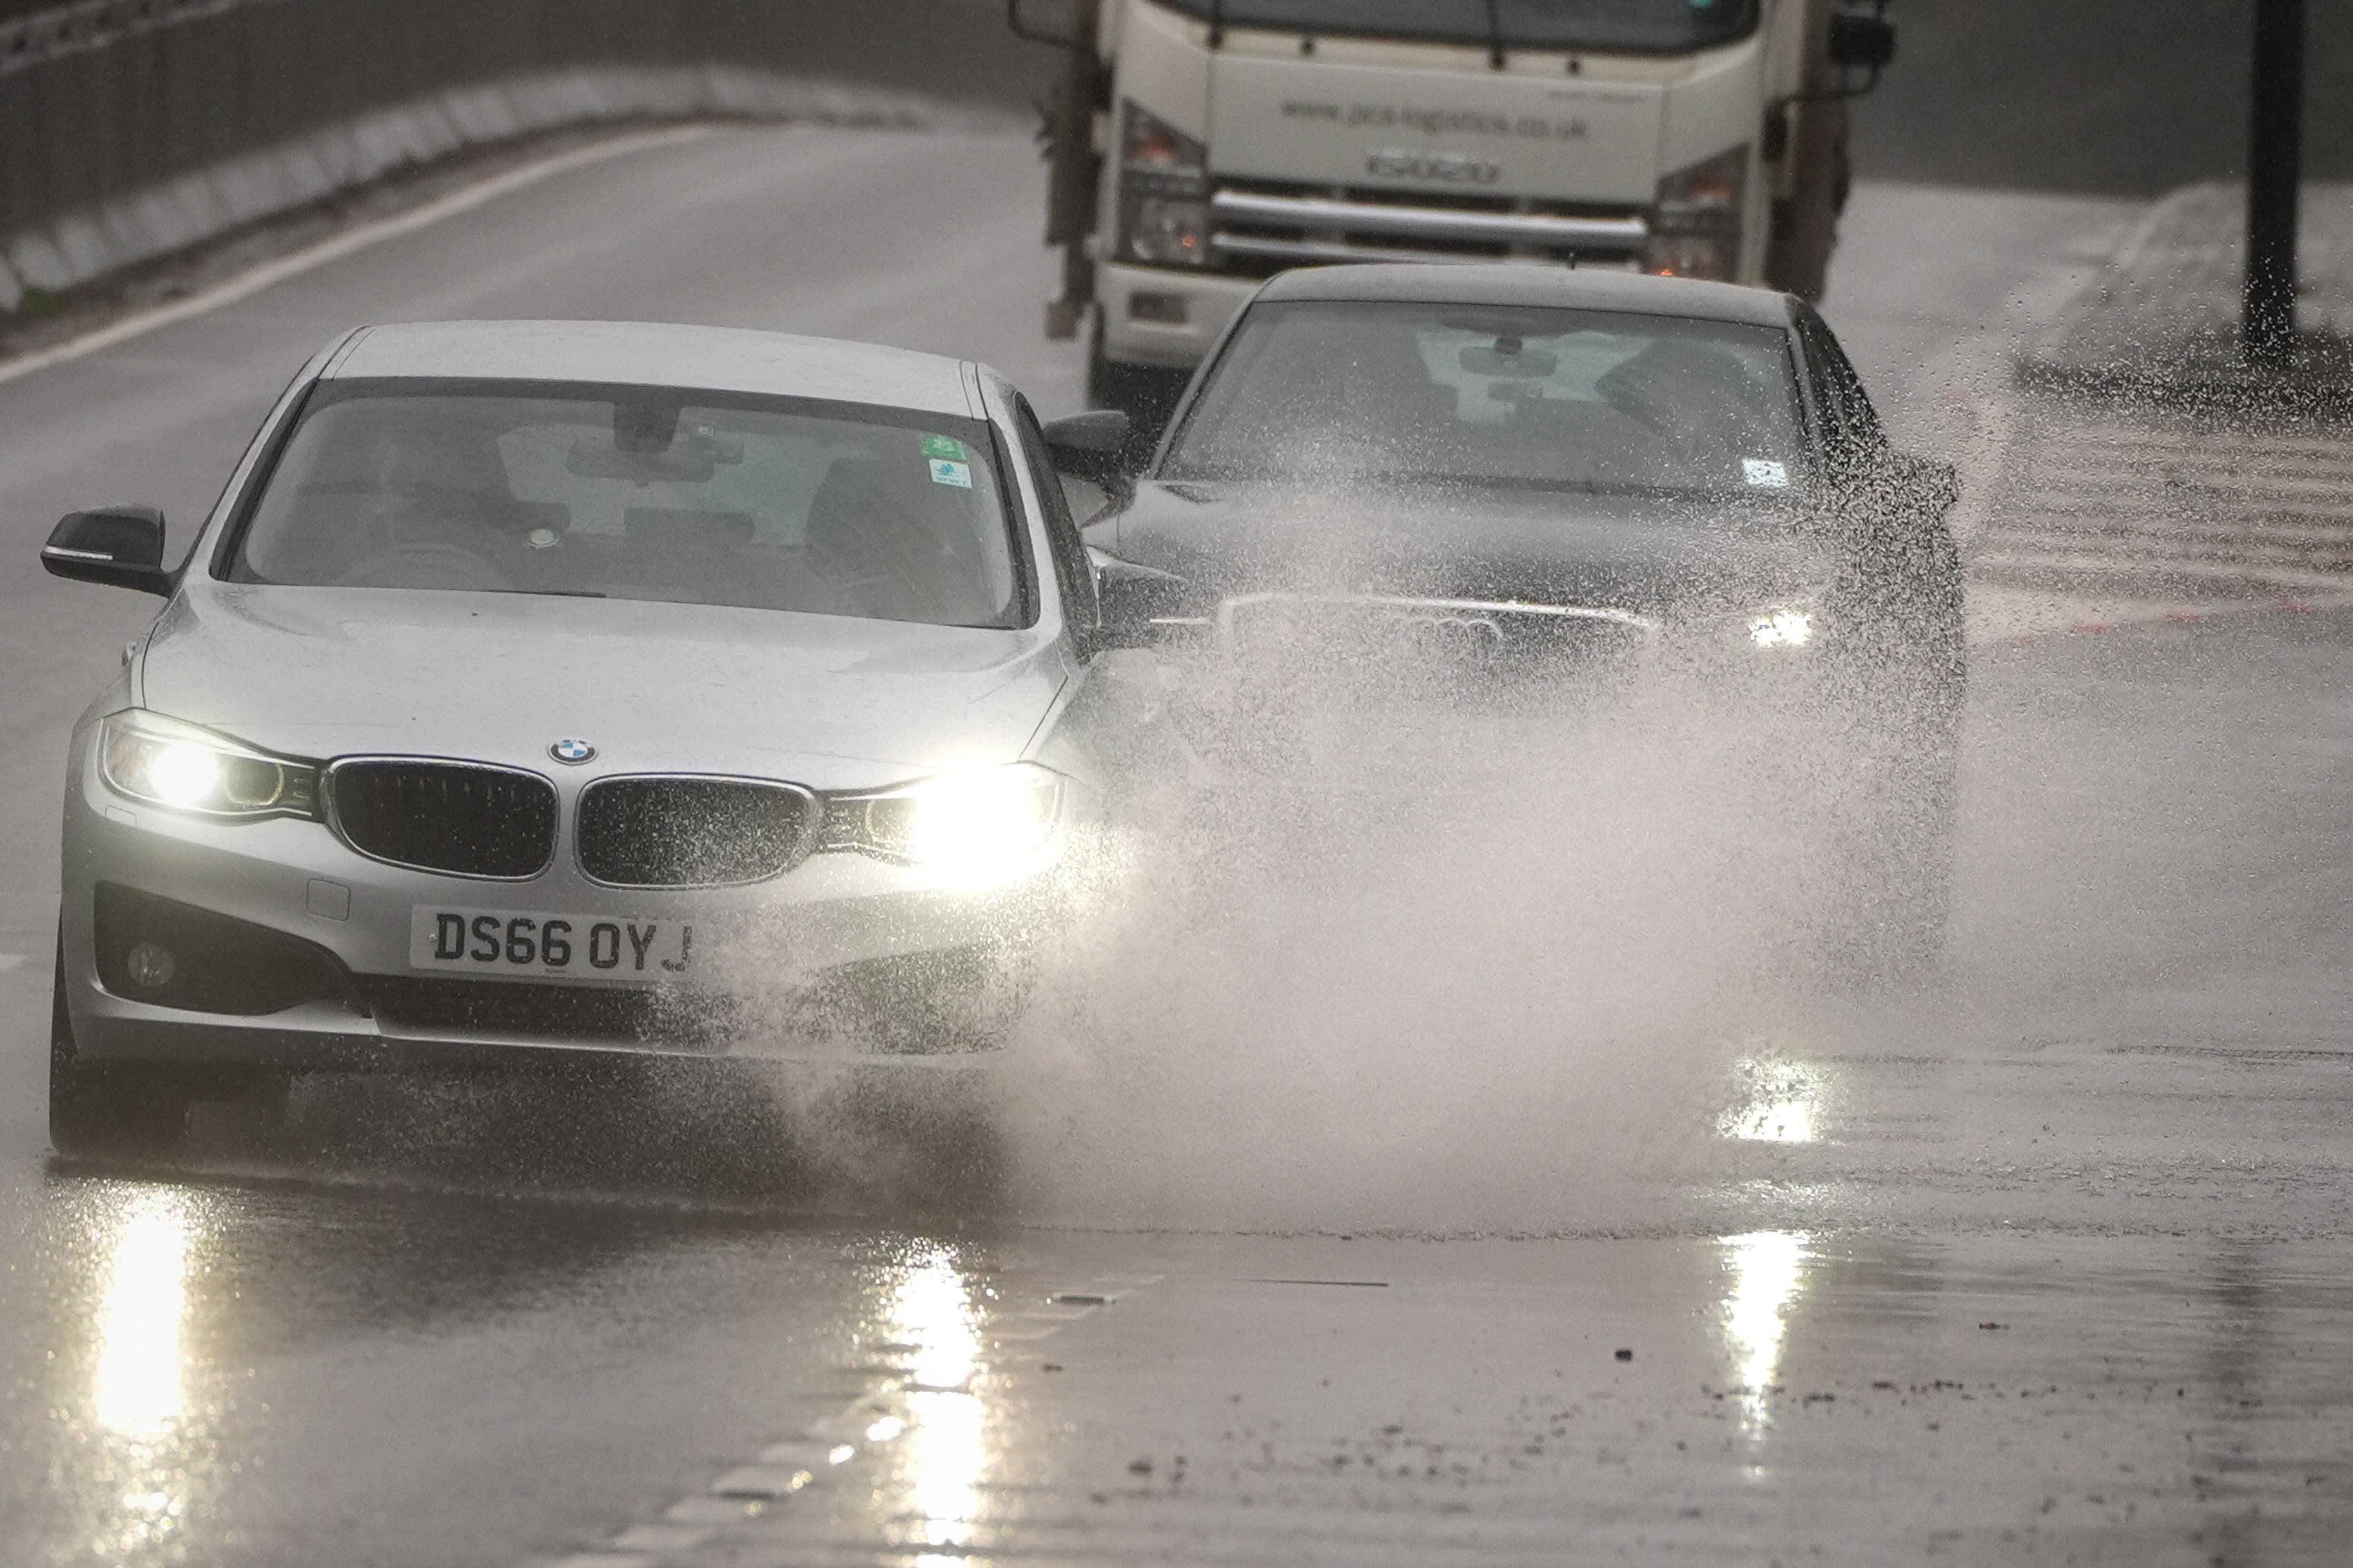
(2049,1264)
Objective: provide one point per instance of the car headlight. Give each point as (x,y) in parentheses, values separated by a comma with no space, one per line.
(163,762)
(985,822)
(1164,178)
(1787,626)
(1695,226)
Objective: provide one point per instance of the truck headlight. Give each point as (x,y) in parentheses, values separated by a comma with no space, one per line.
(1695,226)
(163,762)
(978,822)
(1164,182)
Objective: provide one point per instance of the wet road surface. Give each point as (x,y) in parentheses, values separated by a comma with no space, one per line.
(2050,1265)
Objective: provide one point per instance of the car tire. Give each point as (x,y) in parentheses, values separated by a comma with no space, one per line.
(123,1109)
(1893,906)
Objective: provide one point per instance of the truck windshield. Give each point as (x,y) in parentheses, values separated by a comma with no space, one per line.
(1349,393)
(1645,26)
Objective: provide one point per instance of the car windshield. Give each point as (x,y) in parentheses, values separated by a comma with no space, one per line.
(1645,26)
(640,493)
(1507,397)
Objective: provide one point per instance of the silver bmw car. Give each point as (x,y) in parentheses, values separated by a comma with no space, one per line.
(549,686)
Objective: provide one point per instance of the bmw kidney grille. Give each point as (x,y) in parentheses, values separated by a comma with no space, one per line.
(467,819)
(692,832)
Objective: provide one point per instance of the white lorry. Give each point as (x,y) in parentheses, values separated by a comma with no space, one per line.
(1198,146)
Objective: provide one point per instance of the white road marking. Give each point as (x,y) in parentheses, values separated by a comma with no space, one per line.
(660,1537)
(868,1424)
(245,285)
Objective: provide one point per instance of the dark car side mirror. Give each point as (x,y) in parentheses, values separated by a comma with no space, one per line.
(1929,484)
(1140,607)
(120,546)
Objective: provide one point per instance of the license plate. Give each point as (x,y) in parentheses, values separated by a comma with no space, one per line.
(507,941)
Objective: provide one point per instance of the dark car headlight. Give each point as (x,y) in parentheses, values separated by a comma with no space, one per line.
(1784,627)
(163,762)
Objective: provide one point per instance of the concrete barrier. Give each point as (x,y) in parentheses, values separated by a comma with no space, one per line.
(133,129)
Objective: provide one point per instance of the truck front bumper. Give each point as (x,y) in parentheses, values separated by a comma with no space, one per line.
(1165,317)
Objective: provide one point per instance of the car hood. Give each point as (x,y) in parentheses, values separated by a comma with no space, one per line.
(1653,555)
(823,700)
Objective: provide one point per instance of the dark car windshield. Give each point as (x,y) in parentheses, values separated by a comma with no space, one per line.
(1642,25)
(640,493)
(1511,398)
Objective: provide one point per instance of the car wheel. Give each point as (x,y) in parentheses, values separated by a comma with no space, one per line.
(121,1108)
(1892,905)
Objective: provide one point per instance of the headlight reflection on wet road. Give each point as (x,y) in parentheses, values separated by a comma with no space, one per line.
(1781,1102)
(137,1395)
(1768,1276)
(138,1392)
(944,1452)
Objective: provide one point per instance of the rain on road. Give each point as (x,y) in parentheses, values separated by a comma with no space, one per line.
(2049,1266)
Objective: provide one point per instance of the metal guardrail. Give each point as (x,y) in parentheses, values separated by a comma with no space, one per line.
(43,36)
(104,101)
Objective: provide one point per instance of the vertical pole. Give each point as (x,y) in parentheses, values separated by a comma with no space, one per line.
(2275,158)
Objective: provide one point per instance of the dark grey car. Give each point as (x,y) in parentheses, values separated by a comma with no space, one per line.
(1495,473)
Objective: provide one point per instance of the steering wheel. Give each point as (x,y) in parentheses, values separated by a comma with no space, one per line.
(433,565)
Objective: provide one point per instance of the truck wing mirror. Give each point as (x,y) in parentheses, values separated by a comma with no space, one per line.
(121,546)
(1054,23)
(1863,42)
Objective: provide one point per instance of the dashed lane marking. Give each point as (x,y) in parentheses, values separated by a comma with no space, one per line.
(831,1445)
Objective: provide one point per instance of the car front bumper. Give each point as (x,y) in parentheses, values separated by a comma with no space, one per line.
(764,953)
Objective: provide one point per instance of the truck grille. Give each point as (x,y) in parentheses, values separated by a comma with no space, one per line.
(463,819)
(692,832)
(1265,226)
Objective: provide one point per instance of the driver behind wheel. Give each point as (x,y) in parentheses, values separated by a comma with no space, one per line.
(405,499)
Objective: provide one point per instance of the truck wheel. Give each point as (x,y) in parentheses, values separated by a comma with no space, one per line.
(1146,393)
(1805,224)
(121,1108)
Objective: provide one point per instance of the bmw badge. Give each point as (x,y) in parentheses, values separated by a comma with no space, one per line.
(572,749)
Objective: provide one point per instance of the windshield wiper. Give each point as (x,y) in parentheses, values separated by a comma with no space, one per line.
(555,593)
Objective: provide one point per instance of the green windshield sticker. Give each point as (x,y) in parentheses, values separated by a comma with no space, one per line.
(946,446)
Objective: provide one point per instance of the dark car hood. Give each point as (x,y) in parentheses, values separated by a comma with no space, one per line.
(1657,556)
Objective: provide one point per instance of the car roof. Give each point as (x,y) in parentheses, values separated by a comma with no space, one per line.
(643,353)
(1523,283)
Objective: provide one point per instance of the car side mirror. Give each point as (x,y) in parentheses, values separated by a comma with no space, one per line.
(1927,484)
(1140,607)
(120,546)
(1093,447)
